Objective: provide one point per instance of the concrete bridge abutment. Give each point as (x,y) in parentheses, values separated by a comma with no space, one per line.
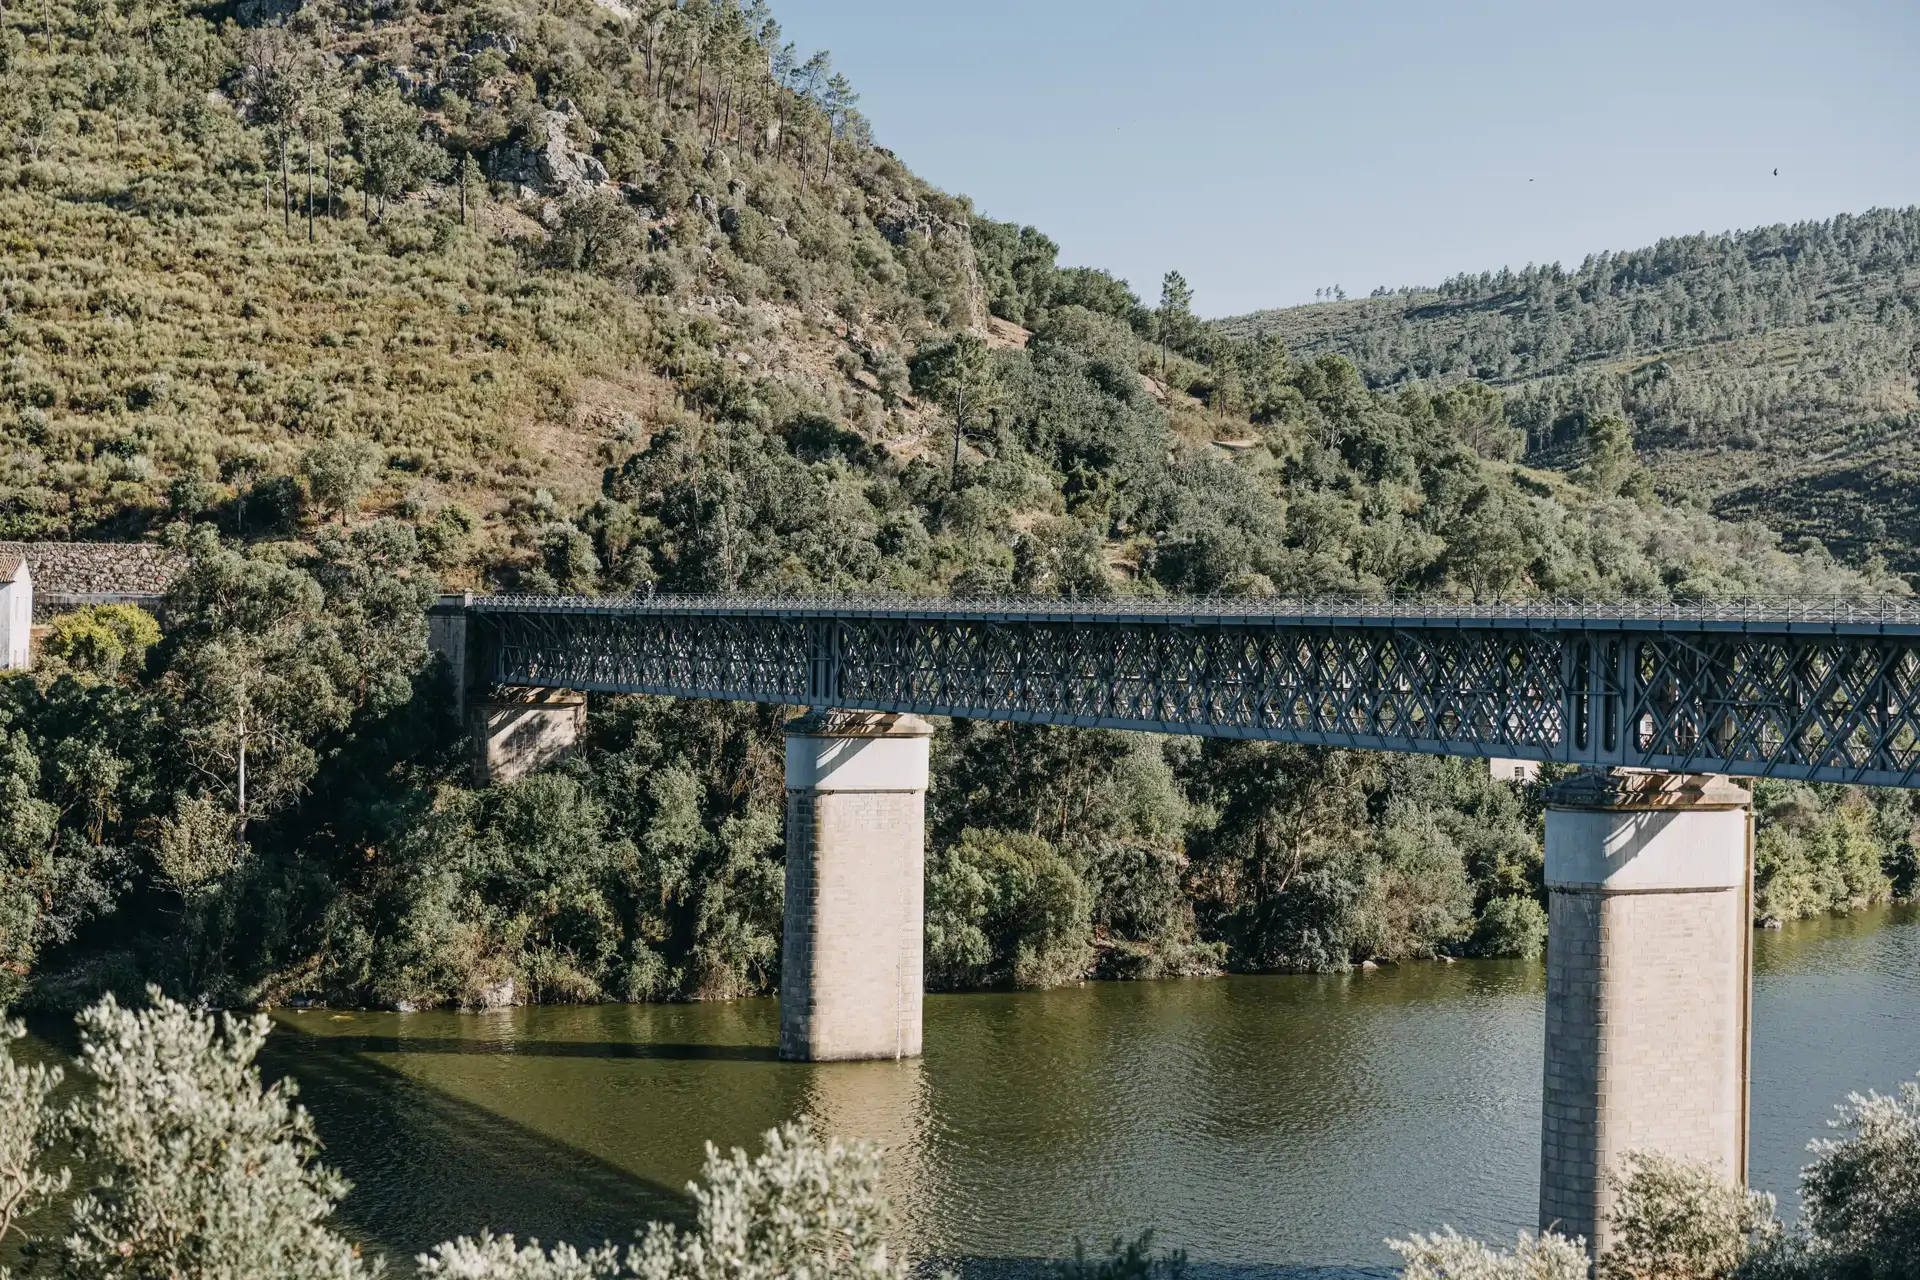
(510,731)
(852,969)
(1649,976)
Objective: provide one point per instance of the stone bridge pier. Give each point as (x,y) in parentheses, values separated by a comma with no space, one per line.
(1649,976)
(851,966)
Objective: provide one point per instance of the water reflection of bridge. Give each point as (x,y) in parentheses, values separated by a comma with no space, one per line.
(1648,850)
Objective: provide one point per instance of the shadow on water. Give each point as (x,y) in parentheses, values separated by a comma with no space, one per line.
(549,1048)
(443,1166)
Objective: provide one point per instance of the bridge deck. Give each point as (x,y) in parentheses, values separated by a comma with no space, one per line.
(1824,690)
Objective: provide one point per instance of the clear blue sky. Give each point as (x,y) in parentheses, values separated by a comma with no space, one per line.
(1267,149)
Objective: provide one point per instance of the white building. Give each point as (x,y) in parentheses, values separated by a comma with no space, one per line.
(1513,770)
(16,611)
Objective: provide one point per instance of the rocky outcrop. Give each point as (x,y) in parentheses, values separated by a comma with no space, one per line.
(554,167)
(900,219)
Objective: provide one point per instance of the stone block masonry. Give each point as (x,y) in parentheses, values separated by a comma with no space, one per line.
(515,731)
(447,640)
(67,575)
(852,969)
(1649,964)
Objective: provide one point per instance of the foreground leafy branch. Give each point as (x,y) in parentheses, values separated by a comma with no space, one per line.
(29,1123)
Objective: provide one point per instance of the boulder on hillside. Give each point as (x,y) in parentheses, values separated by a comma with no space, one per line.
(900,219)
(554,167)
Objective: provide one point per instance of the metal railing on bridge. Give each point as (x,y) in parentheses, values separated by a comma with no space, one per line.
(1820,689)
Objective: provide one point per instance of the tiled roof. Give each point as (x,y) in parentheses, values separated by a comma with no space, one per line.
(95,568)
(10,562)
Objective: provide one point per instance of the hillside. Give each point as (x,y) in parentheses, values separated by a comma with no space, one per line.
(596,296)
(1770,374)
(351,301)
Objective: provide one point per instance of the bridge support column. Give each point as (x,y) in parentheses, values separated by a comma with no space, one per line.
(1649,971)
(447,640)
(512,732)
(851,965)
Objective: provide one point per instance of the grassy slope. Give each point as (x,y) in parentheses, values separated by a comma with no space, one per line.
(158,319)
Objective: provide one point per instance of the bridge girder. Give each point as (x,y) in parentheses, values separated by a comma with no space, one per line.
(1820,694)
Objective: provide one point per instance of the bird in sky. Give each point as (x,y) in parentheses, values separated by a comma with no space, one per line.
(1776,173)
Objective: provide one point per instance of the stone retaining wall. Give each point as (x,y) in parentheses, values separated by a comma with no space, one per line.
(69,574)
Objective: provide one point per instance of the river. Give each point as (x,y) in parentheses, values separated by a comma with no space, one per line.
(1264,1124)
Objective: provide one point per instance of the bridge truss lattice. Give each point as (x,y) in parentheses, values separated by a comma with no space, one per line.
(1824,691)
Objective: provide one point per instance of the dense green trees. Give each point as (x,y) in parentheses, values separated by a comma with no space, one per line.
(1824,849)
(354,865)
(650,869)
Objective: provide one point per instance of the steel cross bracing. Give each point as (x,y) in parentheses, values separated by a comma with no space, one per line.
(1828,691)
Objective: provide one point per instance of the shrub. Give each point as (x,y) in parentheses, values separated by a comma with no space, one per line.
(1005,908)
(29,1124)
(1510,926)
(803,1207)
(1680,1220)
(599,232)
(1860,1198)
(339,473)
(102,640)
(1452,1256)
(201,1171)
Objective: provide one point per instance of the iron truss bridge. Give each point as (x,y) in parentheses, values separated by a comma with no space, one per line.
(1818,690)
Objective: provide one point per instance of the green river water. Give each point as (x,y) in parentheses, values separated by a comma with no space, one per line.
(1265,1124)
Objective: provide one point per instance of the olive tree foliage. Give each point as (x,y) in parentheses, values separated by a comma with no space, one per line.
(340,472)
(29,1124)
(803,1207)
(1448,1255)
(200,1170)
(1860,1198)
(1681,1220)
